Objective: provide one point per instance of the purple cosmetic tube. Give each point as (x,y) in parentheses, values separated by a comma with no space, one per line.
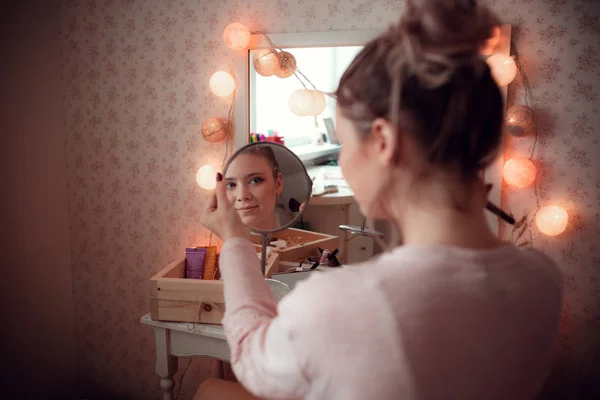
(194,262)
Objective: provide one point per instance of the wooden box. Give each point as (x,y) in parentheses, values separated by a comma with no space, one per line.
(300,243)
(177,299)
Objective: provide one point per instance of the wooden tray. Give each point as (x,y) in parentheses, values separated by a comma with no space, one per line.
(301,243)
(177,299)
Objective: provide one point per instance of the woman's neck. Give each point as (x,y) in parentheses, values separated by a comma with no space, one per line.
(446,213)
(269,223)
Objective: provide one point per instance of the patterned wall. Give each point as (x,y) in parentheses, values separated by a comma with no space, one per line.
(137,75)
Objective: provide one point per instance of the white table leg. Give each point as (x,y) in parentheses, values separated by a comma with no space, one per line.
(166,364)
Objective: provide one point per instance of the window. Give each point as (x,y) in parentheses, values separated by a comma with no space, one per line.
(269,109)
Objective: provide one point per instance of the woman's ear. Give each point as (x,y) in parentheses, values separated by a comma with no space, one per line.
(384,141)
(279,183)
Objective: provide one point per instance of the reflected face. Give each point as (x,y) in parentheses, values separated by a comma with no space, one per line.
(252,190)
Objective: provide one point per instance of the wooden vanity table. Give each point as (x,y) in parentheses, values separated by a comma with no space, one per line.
(181,339)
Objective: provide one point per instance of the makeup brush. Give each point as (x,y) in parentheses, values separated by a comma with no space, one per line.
(496,210)
(294,205)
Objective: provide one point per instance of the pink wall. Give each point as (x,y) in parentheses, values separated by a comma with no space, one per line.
(137,91)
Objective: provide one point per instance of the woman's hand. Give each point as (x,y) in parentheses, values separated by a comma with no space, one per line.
(220,216)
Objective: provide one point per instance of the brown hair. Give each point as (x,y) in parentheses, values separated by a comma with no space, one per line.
(266,152)
(426,76)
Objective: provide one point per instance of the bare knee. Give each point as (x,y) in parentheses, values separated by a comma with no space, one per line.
(219,389)
(206,388)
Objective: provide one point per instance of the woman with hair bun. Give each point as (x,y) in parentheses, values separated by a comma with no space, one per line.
(453,313)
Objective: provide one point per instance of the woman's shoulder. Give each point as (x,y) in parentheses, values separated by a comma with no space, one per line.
(544,264)
(426,266)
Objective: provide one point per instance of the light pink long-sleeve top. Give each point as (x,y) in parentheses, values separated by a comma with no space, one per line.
(416,323)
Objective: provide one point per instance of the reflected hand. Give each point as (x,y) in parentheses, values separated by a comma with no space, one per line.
(302,207)
(221,217)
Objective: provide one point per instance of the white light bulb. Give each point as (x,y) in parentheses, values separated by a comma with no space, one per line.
(236,36)
(552,220)
(207,177)
(503,68)
(222,83)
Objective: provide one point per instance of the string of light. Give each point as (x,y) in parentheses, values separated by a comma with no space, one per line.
(520,120)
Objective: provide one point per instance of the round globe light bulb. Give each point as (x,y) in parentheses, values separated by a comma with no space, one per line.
(552,220)
(266,62)
(207,177)
(236,36)
(503,68)
(287,65)
(214,130)
(318,102)
(222,84)
(301,102)
(519,172)
(519,120)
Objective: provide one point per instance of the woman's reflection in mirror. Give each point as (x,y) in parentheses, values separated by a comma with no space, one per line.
(253,183)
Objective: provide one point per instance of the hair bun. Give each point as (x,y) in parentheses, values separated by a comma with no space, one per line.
(448,27)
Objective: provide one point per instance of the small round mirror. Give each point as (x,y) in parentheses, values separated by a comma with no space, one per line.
(268,185)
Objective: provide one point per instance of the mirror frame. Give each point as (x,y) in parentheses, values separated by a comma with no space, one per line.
(493,174)
(285,149)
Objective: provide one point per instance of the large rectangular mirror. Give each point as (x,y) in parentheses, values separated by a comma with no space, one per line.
(261,103)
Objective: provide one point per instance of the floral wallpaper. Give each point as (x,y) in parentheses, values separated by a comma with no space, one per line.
(137,76)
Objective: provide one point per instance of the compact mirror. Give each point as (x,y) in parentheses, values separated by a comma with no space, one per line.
(268,186)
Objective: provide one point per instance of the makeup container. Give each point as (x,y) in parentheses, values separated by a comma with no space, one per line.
(194,262)
(210,263)
(324,260)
